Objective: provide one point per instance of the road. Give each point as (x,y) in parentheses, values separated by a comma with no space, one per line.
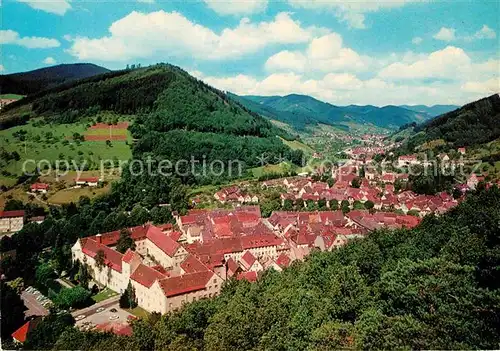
(92,309)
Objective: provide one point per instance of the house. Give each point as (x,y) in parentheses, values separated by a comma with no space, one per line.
(389,178)
(21,335)
(120,329)
(249,263)
(461,150)
(407,160)
(89,181)
(39,187)
(444,157)
(11,221)
(36,219)
(474,180)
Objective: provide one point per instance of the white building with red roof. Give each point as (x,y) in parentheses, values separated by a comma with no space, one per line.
(39,187)
(11,221)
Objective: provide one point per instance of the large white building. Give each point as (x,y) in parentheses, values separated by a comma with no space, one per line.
(11,221)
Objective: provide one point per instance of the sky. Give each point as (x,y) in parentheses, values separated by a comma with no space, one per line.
(343,52)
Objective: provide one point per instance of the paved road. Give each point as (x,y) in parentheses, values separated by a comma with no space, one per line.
(34,307)
(92,309)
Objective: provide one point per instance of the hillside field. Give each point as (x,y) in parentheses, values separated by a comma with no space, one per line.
(54,142)
(11,96)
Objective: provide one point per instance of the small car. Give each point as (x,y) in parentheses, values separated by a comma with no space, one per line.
(113,310)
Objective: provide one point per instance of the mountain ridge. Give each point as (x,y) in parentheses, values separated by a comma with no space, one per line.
(434,110)
(312,111)
(30,82)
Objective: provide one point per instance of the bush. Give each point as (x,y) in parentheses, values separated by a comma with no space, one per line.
(77,297)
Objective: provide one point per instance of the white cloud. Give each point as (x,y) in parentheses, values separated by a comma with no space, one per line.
(351,12)
(344,89)
(140,35)
(447,76)
(417,40)
(287,60)
(439,64)
(484,33)
(146,1)
(445,34)
(490,86)
(325,53)
(49,61)
(2,68)
(11,37)
(58,7)
(237,7)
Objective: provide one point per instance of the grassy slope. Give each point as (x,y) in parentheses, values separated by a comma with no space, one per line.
(11,96)
(51,148)
(297,145)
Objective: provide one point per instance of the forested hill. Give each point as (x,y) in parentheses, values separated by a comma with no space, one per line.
(300,111)
(436,286)
(473,124)
(31,82)
(175,116)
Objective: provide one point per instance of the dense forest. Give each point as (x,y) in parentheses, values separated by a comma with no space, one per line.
(433,287)
(473,124)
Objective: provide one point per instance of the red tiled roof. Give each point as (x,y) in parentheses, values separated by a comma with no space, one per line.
(122,329)
(248,259)
(11,214)
(145,275)
(39,186)
(192,265)
(250,276)
(111,238)
(185,283)
(283,260)
(255,241)
(232,266)
(88,179)
(22,333)
(162,241)
(175,235)
(128,256)
(112,258)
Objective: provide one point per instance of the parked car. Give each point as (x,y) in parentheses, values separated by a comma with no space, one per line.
(80,317)
(113,317)
(100,309)
(113,310)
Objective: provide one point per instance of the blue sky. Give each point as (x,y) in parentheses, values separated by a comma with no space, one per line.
(397,52)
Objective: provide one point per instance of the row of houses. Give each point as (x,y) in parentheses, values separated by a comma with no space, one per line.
(236,195)
(384,197)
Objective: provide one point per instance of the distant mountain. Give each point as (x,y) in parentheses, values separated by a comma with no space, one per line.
(301,111)
(433,111)
(26,83)
(473,124)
